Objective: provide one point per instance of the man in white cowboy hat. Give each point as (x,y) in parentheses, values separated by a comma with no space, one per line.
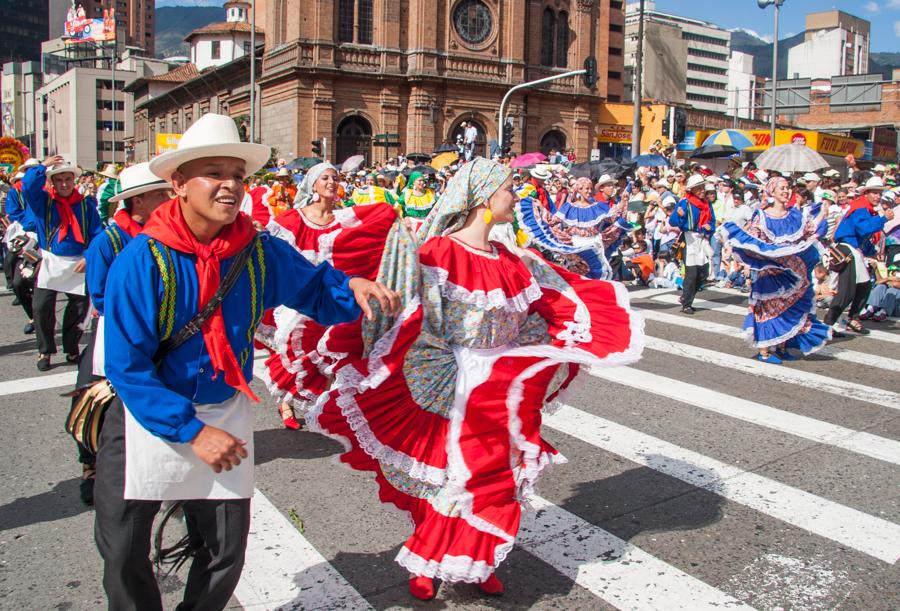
(697,221)
(65,223)
(853,237)
(108,188)
(182,304)
(282,195)
(538,175)
(606,190)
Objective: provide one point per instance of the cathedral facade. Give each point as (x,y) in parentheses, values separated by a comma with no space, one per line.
(382,77)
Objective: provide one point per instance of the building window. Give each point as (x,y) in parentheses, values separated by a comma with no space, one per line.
(615,27)
(355,21)
(246,47)
(562,40)
(614,76)
(615,51)
(216,51)
(548,29)
(345,20)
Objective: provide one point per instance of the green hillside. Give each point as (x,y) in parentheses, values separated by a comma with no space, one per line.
(173,23)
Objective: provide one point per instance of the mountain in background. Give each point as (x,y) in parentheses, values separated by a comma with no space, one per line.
(170,3)
(173,23)
(747,41)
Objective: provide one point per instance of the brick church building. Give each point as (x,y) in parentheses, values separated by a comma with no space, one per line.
(353,71)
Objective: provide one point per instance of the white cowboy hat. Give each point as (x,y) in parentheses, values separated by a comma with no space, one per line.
(212,135)
(879,168)
(873,184)
(31,162)
(606,179)
(541,172)
(889,196)
(137,180)
(811,177)
(64,168)
(696,180)
(110,171)
(831,173)
(283,172)
(18,176)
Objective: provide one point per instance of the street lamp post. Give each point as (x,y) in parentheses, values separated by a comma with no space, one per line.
(763,4)
(252,70)
(637,86)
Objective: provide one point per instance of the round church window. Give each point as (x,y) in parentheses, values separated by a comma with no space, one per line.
(473,21)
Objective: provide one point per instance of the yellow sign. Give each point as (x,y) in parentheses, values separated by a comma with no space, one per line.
(166,142)
(826,144)
(618,134)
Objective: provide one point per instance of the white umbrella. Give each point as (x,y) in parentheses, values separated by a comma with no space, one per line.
(789,158)
(353,163)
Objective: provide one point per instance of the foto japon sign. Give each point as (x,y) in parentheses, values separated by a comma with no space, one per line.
(826,144)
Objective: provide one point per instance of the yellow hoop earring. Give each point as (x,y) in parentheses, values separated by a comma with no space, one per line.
(488,216)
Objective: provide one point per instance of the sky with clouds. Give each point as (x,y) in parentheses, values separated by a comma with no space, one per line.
(884,16)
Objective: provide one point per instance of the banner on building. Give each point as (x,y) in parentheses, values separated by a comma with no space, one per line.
(166,142)
(81,28)
(826,144)
(8,119)
(616,134)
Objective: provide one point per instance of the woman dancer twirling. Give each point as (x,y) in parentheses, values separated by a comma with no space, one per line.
(445,410)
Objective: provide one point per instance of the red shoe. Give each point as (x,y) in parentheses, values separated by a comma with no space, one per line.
(421,587)
(287,416)
(491,586)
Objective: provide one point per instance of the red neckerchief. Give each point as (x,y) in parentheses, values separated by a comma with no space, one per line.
(168,226)
(703,207)
(126,223)
(67,219)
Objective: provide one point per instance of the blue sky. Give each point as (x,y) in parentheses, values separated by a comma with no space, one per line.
(883,14)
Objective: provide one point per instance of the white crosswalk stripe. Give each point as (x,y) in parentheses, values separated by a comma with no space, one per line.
(860,442)
(860,531)
(707,326)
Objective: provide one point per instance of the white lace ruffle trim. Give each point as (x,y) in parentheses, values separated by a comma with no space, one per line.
(483,300)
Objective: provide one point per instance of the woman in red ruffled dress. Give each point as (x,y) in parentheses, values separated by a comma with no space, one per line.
(304,354)
(445,409)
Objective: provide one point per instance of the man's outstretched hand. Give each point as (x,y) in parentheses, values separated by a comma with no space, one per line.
(219,449)
(364,290)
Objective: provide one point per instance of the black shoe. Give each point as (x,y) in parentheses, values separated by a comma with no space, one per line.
(72,358)
(28,329)
(16,301)
(43,363)
(838,335)
(688,310)
(86,489)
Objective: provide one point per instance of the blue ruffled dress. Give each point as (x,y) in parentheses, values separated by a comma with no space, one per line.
(783,252)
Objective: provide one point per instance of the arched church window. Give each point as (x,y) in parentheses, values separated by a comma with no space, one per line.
(548,34)
(562,40)
(345,20)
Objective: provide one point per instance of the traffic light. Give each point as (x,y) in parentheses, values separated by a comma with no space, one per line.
(317,148)
(590,75)
(680,125)
(506,145)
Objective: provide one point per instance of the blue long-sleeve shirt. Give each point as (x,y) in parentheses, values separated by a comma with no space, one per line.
(162,399)
(13,207)
(99,258)
(856,228)
(40,210)
(691,218)
(815,209)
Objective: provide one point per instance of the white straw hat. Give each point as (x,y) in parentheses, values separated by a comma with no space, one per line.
(696,180)
(212,135)
(137,180)
(110,171)
(64,168)
(873,184)
(541,172)
(31,162)
(606,179)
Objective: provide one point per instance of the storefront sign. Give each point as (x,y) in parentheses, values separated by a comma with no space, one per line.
(618,134)
(825,144)
(166,142)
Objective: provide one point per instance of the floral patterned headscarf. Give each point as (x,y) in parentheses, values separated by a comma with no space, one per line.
(307,188)
(469,188)
(770,187)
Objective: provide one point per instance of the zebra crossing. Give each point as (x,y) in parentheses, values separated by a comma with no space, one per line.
(698,479)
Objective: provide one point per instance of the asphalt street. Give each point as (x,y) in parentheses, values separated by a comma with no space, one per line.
(697,478)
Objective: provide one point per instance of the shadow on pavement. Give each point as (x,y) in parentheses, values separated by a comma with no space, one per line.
(62,501)
(272,444)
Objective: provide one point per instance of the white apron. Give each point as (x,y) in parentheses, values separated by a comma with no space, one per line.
(58,274)
(697,250)
(859,264)
(97,365)
(158,470)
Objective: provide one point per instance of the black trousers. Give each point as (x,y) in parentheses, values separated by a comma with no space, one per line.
(123,529)
(694,275)
(23,289)
(45,320)
(9,264)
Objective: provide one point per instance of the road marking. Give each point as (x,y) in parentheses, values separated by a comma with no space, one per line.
(670,298)
(843,354)
(283,569)
(815,381)
(804,427)
(865,533)
(55,380)
(620,573)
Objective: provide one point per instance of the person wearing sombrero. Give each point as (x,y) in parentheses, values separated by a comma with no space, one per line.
(182,303)
(445,411)
(108,188)
(695,218)
(853,237)
(281,198)
(65,223)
